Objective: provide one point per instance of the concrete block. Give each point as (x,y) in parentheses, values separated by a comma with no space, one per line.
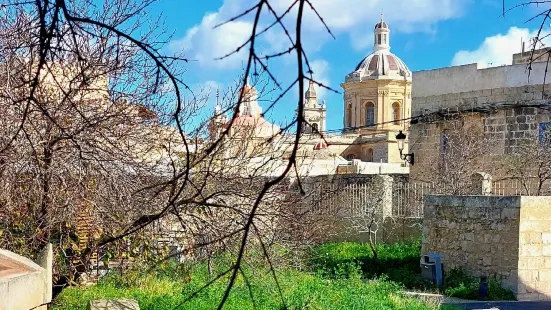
(113,304)
(528,297)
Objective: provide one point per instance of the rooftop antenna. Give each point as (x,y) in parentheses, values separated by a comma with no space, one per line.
(521,45)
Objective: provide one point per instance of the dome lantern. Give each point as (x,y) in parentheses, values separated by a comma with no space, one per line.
(381,36)
(381,64)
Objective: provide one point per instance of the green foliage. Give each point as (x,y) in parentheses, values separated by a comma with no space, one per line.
(459,284)
(398,261)
(166,287)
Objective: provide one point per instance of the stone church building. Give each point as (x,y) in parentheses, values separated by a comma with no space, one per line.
(382,97)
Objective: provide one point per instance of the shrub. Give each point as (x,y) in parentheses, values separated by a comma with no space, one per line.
(459,284)
(398,261)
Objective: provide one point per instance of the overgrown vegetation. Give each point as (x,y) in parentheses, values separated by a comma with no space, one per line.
(459,284)
(338,276)
(398,263)
(167,287)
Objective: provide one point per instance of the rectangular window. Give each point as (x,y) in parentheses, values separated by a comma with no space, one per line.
(544,133)
(370,116)
(444,143)
(379,39)
(384,38)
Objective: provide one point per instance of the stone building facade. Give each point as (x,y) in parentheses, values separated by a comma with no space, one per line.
(377,104)
(377,100)
(504,106)
(507,238)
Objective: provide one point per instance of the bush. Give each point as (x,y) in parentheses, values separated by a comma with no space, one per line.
(398,261)
(458,284)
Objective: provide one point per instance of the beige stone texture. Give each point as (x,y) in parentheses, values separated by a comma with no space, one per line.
(25,284)
(507,237)
(113,304)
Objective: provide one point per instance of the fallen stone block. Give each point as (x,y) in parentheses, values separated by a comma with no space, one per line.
(113,304)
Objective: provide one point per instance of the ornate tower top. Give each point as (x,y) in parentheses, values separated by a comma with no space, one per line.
(311,96)
(249,106)
(381,37)
(381,64)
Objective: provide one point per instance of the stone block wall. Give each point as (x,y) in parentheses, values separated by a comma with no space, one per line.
(504,130)
(477,98)
(508,237)
(510,128)
(534,264)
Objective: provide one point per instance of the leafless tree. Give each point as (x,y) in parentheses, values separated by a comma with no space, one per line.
(463,150)
(363,213)
(99,122)
(530,165)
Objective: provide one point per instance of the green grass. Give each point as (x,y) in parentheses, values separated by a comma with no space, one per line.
(399,263)
(340,276)
(461,285)
(299,290)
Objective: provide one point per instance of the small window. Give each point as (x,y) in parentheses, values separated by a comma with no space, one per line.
(544,133)
(370,114)
(315,128)
(350,157)
(369,155)
(396,113)
(384,39)
(349,116)
(444,143)
(379,39)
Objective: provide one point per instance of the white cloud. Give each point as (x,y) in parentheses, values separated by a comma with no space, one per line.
(358,17)
(355,18)
(320,69)
(206,44)
(498,49)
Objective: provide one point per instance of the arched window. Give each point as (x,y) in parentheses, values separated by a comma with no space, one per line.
(315,128)
(349,115)
(370,114)
(396,113)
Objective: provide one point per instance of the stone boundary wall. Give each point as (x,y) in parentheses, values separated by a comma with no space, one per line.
(522,95)
(25,284)
(507,237)
(469,78)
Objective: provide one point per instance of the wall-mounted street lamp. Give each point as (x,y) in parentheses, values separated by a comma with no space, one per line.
(410,158)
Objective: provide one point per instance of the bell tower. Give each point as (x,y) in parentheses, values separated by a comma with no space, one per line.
(314,113)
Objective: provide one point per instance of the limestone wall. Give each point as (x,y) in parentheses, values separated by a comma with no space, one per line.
(477,98)
(468,78)
(25,284)
(534,264)
(508,237)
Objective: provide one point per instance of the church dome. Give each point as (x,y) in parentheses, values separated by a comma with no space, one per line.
(381,64)
(381,24)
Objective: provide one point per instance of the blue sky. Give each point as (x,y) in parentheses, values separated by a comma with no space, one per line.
(426,34)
